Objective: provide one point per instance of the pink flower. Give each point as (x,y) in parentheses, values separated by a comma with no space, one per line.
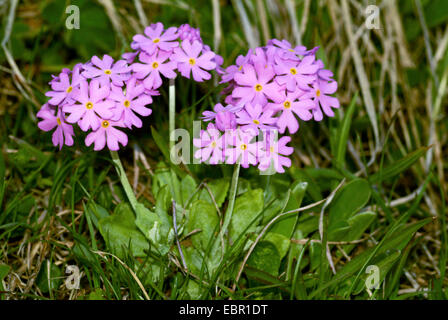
(63,87)
(230,71)
(189,60)
(210,144)
(211,115)
(320,93)
(156,38)
(245,151)
(290,105)
(254,118)
(106,71)
(274,152)
(93,105)
(107,133)
(130,103)
(186,31)
(63,133)
(295,74)
(152,67)
(254,86)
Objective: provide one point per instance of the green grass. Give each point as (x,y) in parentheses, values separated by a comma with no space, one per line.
(349,201)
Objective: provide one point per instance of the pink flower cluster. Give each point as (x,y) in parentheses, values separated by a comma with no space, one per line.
(268,90)
(103,95)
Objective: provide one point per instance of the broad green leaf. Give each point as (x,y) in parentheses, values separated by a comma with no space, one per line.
(187,187)
(121,234)
(399,166)
(353,228)
(219,189)
(202,216)
(286,226)
(349,200)
(265,257)
(247,207)
(157,226)
(280,242)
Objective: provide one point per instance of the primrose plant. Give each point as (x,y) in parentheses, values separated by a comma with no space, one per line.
(268,90)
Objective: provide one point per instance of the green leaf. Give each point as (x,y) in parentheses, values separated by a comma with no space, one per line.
(121,234)
(187,188)
(48,278)
(157,226)
(436,13)
(343,131)
(265,257)
(247,207)
(4,270)
(202,216)
(280,242)
(399,166)
(219,189)
(349,200)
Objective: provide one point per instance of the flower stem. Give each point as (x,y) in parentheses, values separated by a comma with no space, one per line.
(232,196)
(172,113)
(124,180)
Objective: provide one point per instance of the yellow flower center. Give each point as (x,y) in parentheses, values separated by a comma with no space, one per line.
(213,144)
(240,68)
(127,103)
(58,120)
(318,93)
(293,71)
(192,61)
(107,71)
(291,50)
(271,149)
(258,87)
(256,121)
(105,124)
(89,105)
(287,104)
(156,40)
(155,65)
(243,146)
(69,89)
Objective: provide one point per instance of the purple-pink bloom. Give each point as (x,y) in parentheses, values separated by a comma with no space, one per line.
(292,103)
(274,152)
(189,60)
(63,86)
(210,144)
(187,32)
(320,93)
(152,67)
(92,105)
(252,117)
(254,85)
(295,74)
(211,115)
(230,71)
(156,38)
(63,133)
(130,103)
(106,70)
(107,133)
(244,150)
